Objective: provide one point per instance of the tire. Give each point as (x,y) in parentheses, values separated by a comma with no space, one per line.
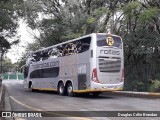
(61,88)
(96,94)
(70,90)
(31,87)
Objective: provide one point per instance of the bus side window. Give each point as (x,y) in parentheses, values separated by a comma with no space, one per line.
(83,44)
(76,47)
(54,53)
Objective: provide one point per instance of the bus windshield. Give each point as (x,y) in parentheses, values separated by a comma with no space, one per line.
(108,40)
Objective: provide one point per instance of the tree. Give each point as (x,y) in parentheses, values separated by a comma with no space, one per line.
(136,21)
(8,25)
(7,65)
(141,39)
(67,19)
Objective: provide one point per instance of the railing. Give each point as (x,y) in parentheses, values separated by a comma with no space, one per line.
(15,76)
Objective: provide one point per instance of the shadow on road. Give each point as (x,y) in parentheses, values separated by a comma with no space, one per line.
(78,95)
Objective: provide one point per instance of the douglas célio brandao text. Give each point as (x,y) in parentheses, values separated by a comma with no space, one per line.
(137,114)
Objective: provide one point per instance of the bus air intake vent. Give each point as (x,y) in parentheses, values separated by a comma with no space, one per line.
(106,65)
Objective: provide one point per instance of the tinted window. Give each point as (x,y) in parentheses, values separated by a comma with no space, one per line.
(75,47)
(45,73)
(104,40)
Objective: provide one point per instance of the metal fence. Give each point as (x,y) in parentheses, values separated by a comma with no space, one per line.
(16,76)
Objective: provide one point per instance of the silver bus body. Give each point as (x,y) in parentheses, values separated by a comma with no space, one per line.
(99,68)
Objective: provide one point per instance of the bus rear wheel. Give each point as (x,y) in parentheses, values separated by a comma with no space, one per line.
(61,88)
(70,90)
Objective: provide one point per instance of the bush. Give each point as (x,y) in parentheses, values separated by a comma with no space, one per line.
(135,86)
(155,86)
(141,87)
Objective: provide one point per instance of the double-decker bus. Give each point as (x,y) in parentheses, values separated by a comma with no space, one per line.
(90,64)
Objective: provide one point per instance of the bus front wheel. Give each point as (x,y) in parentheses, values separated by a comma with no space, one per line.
(31,87)
(61,88)
(70,90)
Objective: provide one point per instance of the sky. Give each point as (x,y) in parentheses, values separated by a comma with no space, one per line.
(16,51)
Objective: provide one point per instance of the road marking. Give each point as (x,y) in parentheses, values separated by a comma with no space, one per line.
(63,115)
(24,104)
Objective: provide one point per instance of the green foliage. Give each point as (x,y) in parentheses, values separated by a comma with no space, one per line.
(99,12)
(131,6)
(67,19)
(137,22)
(7,65)
(133,81)
(8,18)
(148,14)
(8,24)
(4,45)
(141,87)
(155,86)
(91,20)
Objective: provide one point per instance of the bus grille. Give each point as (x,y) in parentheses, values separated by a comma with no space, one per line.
(109,65)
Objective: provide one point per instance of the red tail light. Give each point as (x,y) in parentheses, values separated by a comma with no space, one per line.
(94,76)
(122,75)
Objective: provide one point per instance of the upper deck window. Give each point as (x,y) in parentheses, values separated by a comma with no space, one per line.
(75,47)
(108,40)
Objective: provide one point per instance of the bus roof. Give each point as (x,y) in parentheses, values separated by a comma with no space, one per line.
(71,41)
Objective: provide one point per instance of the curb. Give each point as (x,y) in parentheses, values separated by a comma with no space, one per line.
(7,104)
(1,89)
(6,101)
(134,94)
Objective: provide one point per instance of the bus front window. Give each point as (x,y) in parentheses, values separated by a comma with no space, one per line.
(108,40)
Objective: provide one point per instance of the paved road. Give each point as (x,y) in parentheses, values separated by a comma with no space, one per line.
(22,100)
